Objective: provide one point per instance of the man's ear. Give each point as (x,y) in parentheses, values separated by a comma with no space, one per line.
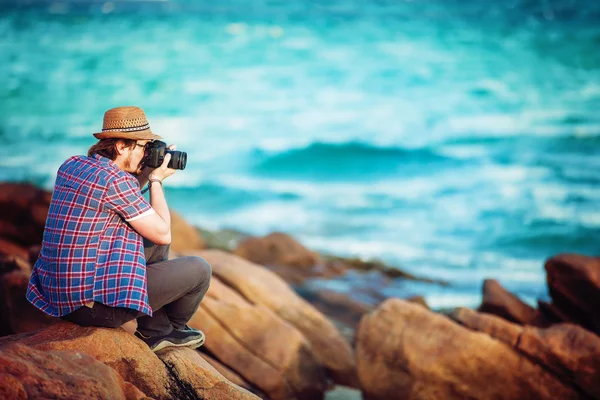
(120,147)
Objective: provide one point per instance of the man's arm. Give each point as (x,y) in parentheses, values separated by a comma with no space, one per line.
(157,227)
(143,177)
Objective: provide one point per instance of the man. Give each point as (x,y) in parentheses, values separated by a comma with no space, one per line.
(104,257)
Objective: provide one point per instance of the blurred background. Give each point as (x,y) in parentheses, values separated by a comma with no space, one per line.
(457,140)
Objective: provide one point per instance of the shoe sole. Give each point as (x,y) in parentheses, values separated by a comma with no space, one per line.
(194,344)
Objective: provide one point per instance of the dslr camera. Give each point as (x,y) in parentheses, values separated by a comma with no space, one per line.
(156,154)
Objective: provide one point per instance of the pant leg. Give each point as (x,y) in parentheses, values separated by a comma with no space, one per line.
(155,253)
(175,289)
(102,316)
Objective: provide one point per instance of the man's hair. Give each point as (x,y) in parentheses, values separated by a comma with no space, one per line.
(108,147)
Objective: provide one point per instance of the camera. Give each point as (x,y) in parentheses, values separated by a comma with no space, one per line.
(156,154)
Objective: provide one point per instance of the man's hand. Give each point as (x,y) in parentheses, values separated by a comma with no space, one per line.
(163,172)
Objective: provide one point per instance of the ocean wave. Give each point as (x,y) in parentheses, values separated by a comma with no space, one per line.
(352,160)
(578,239)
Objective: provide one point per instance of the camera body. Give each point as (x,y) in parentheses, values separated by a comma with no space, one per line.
(156,152)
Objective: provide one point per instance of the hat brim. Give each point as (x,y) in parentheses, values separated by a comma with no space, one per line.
(135,135)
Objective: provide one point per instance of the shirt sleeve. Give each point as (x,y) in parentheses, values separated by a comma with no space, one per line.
(125,198)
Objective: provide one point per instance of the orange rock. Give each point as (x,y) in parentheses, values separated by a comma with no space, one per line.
(568,350)
(10,263)
(19,315)
(202,379)
(405,351)
(12,249)
(549,313)
(277,248)
(341,308)
(500,302)
(227,372)
(24,207)
(185,377)
(420,300)
(123,352)
(184,237)
(574,285)
(494,326)
(18,196)
(268,352)
(26,373)
(263,287)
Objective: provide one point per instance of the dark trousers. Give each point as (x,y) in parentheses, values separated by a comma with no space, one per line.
(175,289)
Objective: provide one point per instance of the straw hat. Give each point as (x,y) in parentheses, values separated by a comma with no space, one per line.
(126,123)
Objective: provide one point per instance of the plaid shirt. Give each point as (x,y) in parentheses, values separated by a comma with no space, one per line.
(89,251)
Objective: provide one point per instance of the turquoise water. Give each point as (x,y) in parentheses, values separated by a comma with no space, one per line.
(458,140)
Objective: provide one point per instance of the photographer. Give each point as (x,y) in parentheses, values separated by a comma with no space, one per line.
(104,257)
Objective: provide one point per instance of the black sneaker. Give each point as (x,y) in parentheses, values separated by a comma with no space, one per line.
(177,338)
(197,331)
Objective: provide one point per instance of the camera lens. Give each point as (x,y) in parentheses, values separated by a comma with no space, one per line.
(178,159)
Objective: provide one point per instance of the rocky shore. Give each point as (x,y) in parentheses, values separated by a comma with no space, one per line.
(270,337)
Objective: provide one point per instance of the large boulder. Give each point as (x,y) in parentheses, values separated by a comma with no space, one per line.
(201,379)
(228,373)
(405,351)
(262,287)
(184,237)
(17,314)
(574,285)
(27,373)
(341,308)
(501,302)
(9,248)
(123,352)
(133,361)
(23,211)
(569,351)
(252,340)
(9,263)
(277,249)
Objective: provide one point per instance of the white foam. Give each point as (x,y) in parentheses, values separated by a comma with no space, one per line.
(451,300)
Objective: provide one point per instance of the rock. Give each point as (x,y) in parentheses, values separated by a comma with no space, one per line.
(342,265)
(123,352)
(9,248)
(494,326)
(228,373)
(184,237)
(568,350)
(34,252)
(224,239)
(27,373)
(9,263)
(201,379)
(550,313)
(574,285)
(276,249)
(420,300)
(340,308)
(134,361)
(18,315)
(405,351)
(498,301)
(23,212)
(249,338)
(16,195)
(263,287)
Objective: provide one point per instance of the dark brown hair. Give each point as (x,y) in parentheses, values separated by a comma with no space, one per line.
(108,147)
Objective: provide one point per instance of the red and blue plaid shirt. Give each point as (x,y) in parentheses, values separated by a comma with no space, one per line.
(89,251)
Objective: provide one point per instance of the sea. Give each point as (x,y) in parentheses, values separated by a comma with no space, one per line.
(456,140)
